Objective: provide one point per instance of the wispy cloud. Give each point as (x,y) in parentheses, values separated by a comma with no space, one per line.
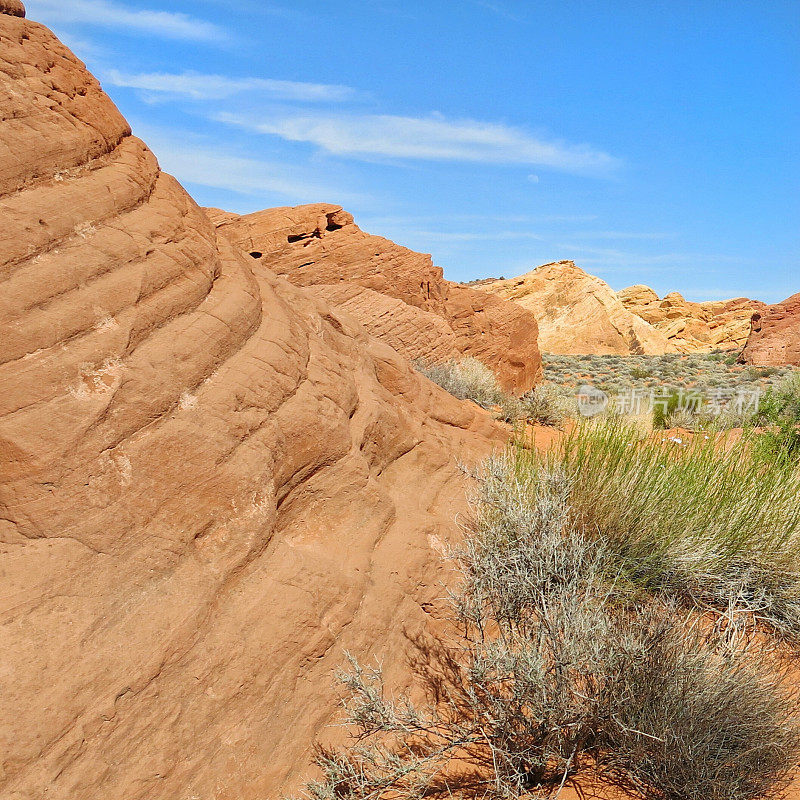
(597,235)
(432,138)
(192,160)
(197,86)
(474,236)
(83,47)
(496,8)
(613,258)
(111,14)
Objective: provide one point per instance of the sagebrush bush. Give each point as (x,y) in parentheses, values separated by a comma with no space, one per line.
(682,418)
(469,379)
(676,370)
(544,406)
(560,669)
(466,379)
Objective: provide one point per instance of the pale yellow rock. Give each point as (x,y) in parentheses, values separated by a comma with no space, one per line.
(694,327)
(579,313)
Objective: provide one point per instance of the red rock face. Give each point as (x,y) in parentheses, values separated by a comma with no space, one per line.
(397,294)
(211,481)
(775,335)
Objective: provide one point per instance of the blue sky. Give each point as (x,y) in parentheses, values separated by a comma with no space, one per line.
(652,141)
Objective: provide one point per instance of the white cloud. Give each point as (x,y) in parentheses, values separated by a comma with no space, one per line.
(646,262)
(471,236)
(111,14)
(433,138)
(194,161)
(217,87)
(496,8)
(619,235)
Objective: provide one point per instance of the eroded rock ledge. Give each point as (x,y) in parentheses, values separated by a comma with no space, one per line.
(396,293)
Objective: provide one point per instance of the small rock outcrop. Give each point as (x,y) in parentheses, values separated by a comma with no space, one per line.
(578,313)
(212,481)
(14,8)
(774,338)
(397,294)
(693,327)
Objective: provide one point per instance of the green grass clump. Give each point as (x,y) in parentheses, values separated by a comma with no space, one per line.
(779,414)
(664,411)
(714,525)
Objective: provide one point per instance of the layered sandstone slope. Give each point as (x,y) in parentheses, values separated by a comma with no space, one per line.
(693,327)
(211,482)
(397,294)
(578,313)
(775,336)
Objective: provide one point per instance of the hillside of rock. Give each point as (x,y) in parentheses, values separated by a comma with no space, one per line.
(212,481)
(578,313)
(693,327)
(774,338)
(397,294)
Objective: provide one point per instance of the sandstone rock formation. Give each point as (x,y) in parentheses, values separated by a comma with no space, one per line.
(13,7)
(775,335)
(693,327)
(211,480)
(578,313)
(397,294)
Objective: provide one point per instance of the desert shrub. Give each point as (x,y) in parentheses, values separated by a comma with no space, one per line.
(511,409)
(779,414)
(682,418)
(728,418)
(543,405)
(711,419)
(717,526)
(670,371)
(559,669)
(700,721)
(467,379)
(666,408)
(754,373)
